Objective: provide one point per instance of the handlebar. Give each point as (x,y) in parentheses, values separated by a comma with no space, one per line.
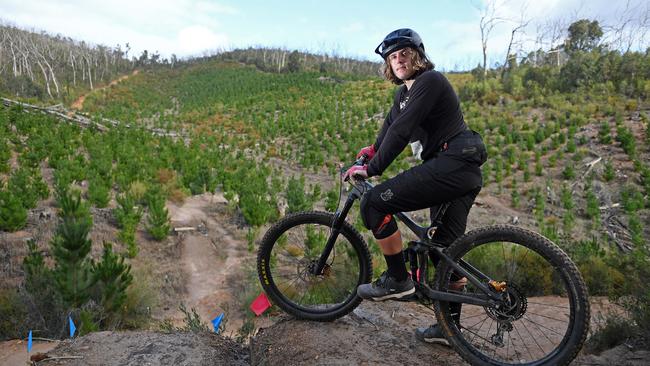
(362,160)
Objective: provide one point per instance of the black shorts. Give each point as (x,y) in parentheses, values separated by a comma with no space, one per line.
(453,175)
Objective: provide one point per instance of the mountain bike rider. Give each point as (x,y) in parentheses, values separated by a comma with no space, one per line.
(426,113)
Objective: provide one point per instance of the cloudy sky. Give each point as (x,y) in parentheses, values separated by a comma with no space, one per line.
(450,28)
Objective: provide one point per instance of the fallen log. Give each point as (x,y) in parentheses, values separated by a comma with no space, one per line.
(84,120)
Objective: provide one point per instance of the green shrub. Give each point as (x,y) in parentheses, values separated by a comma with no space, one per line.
(568,172)
(141,297)
(13,215)
(42,299)
(297,200)
(5,155)
(13,315)
(255,207)
(627,140)
(28,186)
(158,218)
(113,278)
(593,210)
(604,133)
(99,192)
(193,322)
(615,330)
(251,234)
(72,206)
(332,200)
(72,272)
(601,279)
(127,213)
(127,236)
(87,322)
(609,173)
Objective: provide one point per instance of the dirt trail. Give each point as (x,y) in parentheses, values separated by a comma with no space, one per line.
(14,352)
(79,103)
(212,258)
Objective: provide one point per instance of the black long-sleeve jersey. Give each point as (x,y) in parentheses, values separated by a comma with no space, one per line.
(429,113)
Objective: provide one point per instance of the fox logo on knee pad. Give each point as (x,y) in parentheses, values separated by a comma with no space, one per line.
(387,195)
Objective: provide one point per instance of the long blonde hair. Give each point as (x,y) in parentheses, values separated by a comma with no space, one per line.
(419,64)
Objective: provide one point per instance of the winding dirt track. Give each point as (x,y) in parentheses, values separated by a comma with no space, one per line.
(79,103)
(212,259)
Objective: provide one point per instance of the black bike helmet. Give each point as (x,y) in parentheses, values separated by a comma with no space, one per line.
(398,39)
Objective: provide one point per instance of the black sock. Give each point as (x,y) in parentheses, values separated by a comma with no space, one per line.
(454,309)
(396,266)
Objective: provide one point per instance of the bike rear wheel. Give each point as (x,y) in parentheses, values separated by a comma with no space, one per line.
(292,247)
(545,318)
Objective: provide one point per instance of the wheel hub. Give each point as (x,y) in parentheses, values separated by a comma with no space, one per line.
(308,273)
(512,308)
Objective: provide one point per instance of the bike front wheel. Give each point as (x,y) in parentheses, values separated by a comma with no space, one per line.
(544,316)
(290,250)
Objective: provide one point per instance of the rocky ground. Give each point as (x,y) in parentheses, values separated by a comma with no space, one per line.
(373,334)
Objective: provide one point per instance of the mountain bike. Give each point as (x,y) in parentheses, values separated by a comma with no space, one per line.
(525,301)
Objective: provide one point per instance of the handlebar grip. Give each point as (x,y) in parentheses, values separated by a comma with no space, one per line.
(362,160)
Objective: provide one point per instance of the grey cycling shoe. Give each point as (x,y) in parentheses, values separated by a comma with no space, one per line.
(386,287)
(433,334)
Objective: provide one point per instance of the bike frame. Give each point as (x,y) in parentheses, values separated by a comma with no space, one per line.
(418,253)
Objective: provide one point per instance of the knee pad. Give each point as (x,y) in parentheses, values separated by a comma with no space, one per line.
(381,224)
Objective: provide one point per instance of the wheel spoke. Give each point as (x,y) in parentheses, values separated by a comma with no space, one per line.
(542,326)
(548,305)
(525,344)
(548,317)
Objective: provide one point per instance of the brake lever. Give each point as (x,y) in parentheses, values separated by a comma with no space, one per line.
(359,162)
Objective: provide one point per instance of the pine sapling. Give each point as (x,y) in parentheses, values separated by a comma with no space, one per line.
(158,218)
(70,249)
(113,276)
(13,216)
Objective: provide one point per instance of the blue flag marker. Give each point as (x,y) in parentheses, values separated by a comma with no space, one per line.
(29,342)
(216,321)
(72,327)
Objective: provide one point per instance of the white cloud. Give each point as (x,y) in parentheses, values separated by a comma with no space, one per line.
(194,39)
(183,27)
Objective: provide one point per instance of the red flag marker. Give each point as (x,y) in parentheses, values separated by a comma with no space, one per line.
(260,304)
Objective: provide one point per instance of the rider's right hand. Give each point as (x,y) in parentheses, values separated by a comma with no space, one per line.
(356,170)
(369,151)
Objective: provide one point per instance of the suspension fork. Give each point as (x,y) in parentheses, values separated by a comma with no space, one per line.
(339,219)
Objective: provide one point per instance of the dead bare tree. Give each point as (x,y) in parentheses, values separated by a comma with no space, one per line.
(489,20)
(632,28)
(56,60)
(520,25)
(552,34)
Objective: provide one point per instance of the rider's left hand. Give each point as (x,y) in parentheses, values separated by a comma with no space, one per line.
(356,170)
